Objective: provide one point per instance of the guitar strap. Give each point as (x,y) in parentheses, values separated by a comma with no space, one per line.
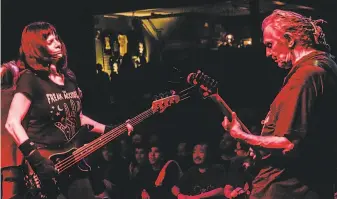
(162,173)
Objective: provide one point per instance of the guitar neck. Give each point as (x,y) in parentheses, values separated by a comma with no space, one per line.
(227,111)
(104,139)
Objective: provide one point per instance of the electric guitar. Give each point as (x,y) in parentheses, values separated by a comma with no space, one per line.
(70,163)
(208,87)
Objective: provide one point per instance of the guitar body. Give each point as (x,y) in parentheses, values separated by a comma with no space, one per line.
(37,189)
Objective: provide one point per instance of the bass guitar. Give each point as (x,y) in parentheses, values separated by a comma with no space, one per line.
(69,162)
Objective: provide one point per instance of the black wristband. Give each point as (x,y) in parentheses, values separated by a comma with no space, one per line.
(27,147)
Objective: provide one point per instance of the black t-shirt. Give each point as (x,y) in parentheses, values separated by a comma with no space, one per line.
(54,114)
(193,182)
(304,111)
(147,177)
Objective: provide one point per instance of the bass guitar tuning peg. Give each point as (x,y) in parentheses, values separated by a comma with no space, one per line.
(214,83)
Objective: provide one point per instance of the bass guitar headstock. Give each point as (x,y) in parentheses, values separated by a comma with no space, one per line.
(206,84)
(164,100)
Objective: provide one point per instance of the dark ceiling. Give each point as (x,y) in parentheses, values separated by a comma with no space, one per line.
(74,17)
(110,6)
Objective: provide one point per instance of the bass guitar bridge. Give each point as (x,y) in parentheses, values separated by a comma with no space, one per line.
(33,185)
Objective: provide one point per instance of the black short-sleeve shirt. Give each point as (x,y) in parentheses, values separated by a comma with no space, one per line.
(304,111)
(54,114)
(193,182)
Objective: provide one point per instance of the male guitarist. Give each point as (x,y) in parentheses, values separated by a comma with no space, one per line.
(46,109)
(300,128)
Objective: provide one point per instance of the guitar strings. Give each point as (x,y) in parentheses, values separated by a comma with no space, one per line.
(77,156)
(104,139)
(141,116)
(99,142)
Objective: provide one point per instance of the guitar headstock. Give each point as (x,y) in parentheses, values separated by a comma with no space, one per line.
(164,100)
(207,85)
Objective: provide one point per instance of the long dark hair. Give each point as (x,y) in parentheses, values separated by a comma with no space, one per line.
(33,53)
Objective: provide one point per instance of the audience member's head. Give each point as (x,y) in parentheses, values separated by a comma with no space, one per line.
(227,145)
(182,150)
(201,154)
(137,138)
(140,152)
(241,149)
(156,154)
